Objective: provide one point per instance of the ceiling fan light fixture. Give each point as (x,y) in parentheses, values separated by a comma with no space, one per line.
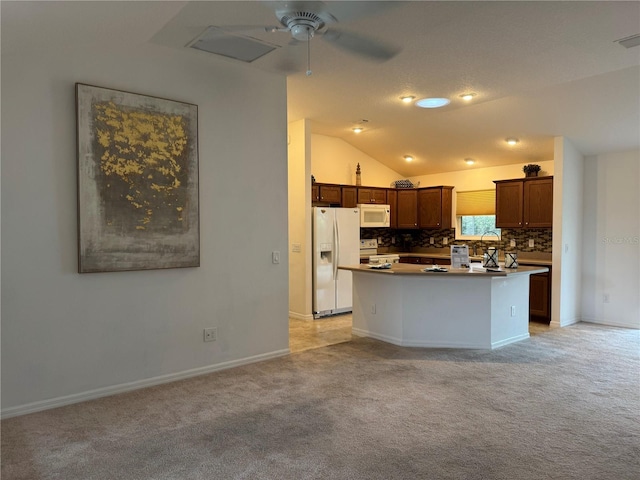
(435,102)
(512,141)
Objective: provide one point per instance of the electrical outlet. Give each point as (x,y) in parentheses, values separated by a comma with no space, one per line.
(210,334)
(531,243)
(432,240)
(512,243)
(379,240)
(393,240)
(275,257)
(445,241)
(373,308)
(513,310)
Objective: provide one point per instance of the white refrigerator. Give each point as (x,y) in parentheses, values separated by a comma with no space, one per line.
(336,241)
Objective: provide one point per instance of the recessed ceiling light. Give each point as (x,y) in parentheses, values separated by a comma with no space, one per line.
(407,98)
(469,161)
(512,141)
(357,129)
(408,158)
(467,96)
(432,102)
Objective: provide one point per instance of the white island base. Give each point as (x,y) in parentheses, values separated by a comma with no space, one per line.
(442,310)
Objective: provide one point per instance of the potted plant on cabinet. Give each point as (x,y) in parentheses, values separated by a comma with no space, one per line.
(531,170)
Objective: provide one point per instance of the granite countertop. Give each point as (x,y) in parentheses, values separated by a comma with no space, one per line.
(524,258)
(410,269)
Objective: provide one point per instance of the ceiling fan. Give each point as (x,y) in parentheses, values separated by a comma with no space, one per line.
(304,20)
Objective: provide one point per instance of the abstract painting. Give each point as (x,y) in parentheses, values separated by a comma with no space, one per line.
(137,181)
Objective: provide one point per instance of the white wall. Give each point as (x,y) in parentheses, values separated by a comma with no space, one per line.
(334,161)
(611,255)
(300,248)
(567,233)
(65,336)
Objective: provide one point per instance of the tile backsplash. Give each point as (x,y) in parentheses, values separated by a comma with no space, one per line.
(405,240)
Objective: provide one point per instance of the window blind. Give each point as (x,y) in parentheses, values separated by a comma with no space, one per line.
(477,202)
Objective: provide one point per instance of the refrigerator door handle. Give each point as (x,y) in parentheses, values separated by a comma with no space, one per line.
(336,247)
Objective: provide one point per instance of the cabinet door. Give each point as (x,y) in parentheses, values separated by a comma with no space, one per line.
(407,208)
(315,193)
(539,296)
(429,208)
(538,203)
(379,196)
(330,194)
(509,204)
(372,195)
(349,197)
(392,200)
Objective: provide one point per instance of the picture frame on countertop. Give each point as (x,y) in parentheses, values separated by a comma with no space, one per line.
(137,174)
(460,256)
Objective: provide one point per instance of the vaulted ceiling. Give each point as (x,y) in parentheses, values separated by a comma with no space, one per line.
(538,69)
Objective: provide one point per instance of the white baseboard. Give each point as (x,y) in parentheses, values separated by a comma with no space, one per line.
(127,387)
(408,343)
(300,316)
(610,323)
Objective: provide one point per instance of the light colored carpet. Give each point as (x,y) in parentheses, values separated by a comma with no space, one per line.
(562,405)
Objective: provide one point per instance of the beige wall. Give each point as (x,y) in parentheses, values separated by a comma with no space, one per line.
(334,161)
(478,178)
(300,220)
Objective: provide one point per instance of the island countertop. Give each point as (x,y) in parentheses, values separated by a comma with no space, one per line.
(476,270)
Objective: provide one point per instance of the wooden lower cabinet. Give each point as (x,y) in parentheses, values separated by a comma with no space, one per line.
(540,296)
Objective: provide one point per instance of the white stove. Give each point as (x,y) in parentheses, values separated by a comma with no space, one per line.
(369,247)
(384,258)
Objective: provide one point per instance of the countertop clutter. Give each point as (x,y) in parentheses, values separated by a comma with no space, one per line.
(528,258)
(476,270)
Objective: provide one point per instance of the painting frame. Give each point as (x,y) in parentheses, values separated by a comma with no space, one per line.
(137,181)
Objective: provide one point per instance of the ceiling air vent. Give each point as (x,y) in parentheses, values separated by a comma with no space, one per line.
(239,47)
(628,42)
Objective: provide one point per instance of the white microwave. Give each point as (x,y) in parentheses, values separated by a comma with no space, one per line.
(372,215)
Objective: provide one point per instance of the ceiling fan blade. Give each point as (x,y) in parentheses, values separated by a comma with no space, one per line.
(361,45)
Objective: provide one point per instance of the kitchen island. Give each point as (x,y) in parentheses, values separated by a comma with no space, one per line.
(459,308)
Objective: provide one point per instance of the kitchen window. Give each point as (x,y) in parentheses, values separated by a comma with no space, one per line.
(475,214)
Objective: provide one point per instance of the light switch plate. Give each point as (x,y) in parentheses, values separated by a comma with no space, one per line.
(512,243)
(531,243)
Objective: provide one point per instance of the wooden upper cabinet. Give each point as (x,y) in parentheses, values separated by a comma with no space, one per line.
(538,203)
(326,194)
(372,195)
(392,200)
(434,207)
(349,197)
(509,204)
(524,203)
(407,209)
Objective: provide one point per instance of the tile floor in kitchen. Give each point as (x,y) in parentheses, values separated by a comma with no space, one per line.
(308,334)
